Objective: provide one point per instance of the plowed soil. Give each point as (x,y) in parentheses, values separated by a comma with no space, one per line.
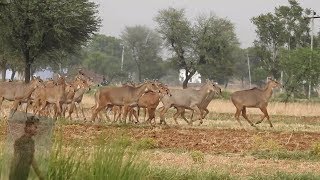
(205,140)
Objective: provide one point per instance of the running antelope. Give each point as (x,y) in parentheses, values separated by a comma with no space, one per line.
(254,98)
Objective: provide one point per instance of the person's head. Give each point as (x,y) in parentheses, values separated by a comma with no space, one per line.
(31,125)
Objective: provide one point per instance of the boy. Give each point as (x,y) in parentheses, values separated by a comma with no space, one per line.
(24,152)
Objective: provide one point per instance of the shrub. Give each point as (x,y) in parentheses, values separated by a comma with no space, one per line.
(315,150)
(197,156)
(146,143)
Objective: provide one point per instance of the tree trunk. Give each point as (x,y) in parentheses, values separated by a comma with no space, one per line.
(3,74)
(27,68)
(3,69)
(226,83)
(186,80)
(13,74)
(139,72)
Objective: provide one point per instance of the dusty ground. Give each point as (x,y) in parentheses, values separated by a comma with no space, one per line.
(225,144)
(206,140)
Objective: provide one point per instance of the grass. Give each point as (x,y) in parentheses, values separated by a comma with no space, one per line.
(285,176)
(179,174)
(197,156)
(120,159)
(146,143)
(272,150)
(284,154)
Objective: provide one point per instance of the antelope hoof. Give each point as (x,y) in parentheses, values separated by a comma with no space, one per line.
(271,125)
(258,122)
(253,125)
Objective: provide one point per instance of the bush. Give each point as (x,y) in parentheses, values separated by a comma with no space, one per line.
(259,144)
(315,150)
(197,156)
(225,95)
(146,143)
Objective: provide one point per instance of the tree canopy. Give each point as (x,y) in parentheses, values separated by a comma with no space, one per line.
(39,27)
(203,46)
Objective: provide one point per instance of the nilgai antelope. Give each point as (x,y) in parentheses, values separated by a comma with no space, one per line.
(187,98)
(202,106)
(18,91)
(80,87)
(148,102)
(121,96)
(53,95)
(254,98)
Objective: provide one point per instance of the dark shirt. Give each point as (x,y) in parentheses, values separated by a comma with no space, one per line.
(23,156)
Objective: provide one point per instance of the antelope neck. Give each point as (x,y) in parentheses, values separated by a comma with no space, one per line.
(268,91)
(203,91)
(29,89)
(138,91)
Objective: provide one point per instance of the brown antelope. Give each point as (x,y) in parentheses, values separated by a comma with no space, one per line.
(18,91)
(148,102)
(80,87)
(121,96)
(254,98)
(53,95)
(202,106)
(187,98)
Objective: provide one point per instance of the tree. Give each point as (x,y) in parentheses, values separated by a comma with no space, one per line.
(38,27)
(144,47)
(177,33)
(196,46)
(298,69)
(286,27)
(271,37)
(103,55)
(215,44)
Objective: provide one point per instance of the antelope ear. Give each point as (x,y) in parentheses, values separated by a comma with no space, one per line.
(59,75)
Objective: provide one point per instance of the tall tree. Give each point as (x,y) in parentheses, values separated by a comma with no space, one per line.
(287,27)
(103,55)
(37,27)
(176,30)
(197,46)
(144,47)
(215,43)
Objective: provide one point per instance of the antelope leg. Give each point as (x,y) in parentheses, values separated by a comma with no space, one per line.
(244,114)
(237,114)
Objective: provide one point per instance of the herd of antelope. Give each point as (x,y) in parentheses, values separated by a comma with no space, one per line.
(61,96)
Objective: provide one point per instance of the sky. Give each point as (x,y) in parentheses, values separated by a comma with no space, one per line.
(118,14)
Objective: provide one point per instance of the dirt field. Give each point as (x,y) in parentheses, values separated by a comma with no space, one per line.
(206,140)
(223,143)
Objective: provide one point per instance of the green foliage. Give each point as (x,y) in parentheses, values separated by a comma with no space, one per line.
(38,27)
(284,154)
(103,55)
(209,42)
(197,156)
(179,174)
(315,150)
(143,47)
(63,165)
(225,95)
(286,28)
(299,69)
(259,144)
(146,143)
(285,176)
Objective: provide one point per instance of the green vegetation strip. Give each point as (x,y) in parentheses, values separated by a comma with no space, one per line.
(121,159)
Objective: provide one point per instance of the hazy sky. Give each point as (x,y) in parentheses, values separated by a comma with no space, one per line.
(117,14)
